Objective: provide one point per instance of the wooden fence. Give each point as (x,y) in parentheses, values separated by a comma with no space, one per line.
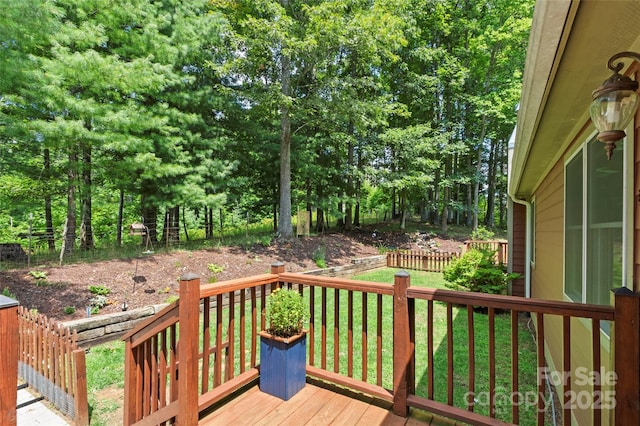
(499,246)
(51,362)
(420,260)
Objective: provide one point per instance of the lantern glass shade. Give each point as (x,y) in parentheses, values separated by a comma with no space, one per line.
(613,110)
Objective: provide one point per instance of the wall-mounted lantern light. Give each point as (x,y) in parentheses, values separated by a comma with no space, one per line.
(614,103)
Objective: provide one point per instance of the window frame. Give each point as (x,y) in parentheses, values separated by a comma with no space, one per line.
(624,148)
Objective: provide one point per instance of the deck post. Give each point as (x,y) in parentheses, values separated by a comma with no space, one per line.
(626,338)
(189,313)
(9,360)
(401,343)
(277,268)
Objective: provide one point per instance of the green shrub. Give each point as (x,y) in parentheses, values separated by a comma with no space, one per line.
(38,275)
(476,271)
(215,269)
(99,290)
(482,233)
(286,312)
(7,293)
(172,298)
(69,310)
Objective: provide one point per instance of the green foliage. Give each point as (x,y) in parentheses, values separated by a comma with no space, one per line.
(38,275)
(171,299)
(476,271)
(482,234)
(383,249)
(286,312)
(98,302)
(69,310)
(6,291)
(99,290)
(319,256)
(215,269)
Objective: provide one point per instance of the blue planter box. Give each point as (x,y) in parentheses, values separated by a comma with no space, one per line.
(282,365)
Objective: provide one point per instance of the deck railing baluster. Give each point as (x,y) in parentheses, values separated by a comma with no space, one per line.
(323,346)
(472,360)
(596,366)
(430,364)
(350,333)
(566,363)
(218,359)
(312,327)
(492,362)
(336,330)
(254,326)
(379,343)
(541,366)
(515,412)
(206,343)
(365,340)
(449,354)
(231,330)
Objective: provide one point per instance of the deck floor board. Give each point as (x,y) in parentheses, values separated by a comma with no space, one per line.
(313,405)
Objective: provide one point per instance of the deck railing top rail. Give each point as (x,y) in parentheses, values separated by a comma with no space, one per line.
(338,283)
(581,310)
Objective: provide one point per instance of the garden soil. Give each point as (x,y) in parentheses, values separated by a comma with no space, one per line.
(154,278)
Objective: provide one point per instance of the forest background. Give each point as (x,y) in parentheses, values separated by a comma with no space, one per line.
(193,115)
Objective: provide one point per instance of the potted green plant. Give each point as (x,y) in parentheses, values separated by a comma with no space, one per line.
(283,345)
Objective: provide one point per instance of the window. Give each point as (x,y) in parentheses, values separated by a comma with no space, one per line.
(594,224)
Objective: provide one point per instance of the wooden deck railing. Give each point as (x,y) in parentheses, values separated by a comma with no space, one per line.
(203,347)
(539,309)
(51,362)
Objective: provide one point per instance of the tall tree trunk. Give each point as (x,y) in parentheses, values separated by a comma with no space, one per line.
(476,187)
(120,218)
(469,202)
(446,195)
(489,218)
(86,227)
(348,216)
(309,205)
(502,190)
(285,227)
(47,205)
(174,224)
(149,219)
(320,226)
(70,237)
(184,225)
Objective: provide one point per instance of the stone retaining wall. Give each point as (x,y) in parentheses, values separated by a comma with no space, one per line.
(104,328)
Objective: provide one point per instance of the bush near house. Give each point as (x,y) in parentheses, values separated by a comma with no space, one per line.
(476,271)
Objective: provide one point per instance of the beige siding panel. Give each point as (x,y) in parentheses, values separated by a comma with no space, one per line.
(547,276)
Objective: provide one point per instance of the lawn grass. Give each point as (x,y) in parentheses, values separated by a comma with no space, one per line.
(105,369)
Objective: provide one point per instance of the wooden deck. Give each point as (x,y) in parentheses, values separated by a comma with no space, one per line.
(313,405)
